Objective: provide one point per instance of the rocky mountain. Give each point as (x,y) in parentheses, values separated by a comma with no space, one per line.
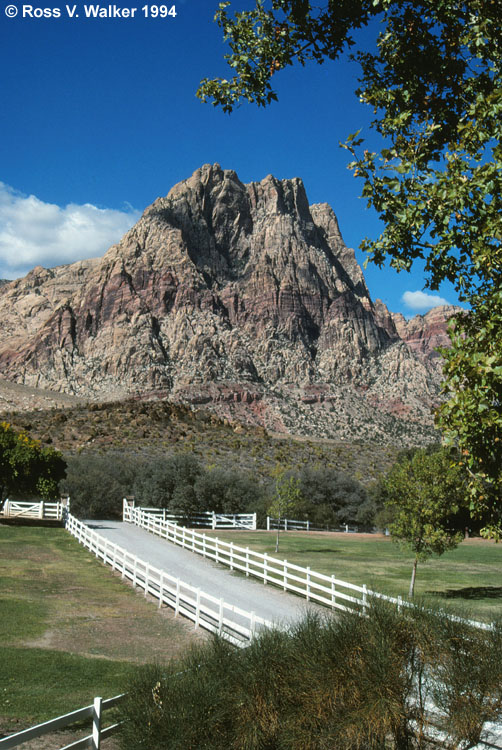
(240,297)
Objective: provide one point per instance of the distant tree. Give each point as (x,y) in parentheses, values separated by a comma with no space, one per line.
(28,469)
(227,491)
(286,501)
(96,484)
(169,483)
(424,495)
(331,497)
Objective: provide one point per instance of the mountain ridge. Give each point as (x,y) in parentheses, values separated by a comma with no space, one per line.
(240,297)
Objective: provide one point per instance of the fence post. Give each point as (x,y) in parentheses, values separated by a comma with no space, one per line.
(399,603)
(254,522)
(197,609)
(285,524)
(213,520)
(41,509)
(96,724)
(308,525)
(268,523)
(364,599)
(161,588)
(146,579)
(220,623)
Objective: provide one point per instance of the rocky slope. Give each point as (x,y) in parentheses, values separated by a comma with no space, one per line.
(240,297)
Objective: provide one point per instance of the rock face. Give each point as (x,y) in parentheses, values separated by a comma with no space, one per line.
(240,297)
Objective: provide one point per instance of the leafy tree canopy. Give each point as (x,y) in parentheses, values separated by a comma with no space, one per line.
(27,468)
(287,499)
(432,76)
(424,495)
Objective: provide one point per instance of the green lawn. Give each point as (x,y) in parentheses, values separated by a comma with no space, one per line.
(468,578)
(70,629)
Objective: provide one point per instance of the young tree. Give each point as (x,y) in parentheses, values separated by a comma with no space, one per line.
(424,494)
(286,500)
(26,467)
(433,77)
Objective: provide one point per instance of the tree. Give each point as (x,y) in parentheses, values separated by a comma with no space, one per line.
(471,418)
(286,500)
(227,491)
(331,497)
(96,484)
(433,78)
(424,494)
(26,467)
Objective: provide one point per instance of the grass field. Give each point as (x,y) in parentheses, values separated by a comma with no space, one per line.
(70,629)
(468,578)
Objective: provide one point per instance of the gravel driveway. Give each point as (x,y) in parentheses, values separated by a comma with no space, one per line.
(270,603)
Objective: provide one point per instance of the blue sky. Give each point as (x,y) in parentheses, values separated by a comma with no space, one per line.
(99,117)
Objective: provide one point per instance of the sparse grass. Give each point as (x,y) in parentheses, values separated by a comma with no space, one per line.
(470,577)
(69,628)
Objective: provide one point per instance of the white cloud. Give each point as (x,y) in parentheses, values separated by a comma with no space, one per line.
(36,233)
(421,301)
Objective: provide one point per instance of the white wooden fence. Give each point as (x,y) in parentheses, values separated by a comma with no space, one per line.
(47,511)
(93,740)
(207,611)
(290,524)
(207,520)
(327,590)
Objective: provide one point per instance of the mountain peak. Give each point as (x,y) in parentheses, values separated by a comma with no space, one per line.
(240,296)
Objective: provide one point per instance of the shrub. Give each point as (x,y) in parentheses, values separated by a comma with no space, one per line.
(354,683)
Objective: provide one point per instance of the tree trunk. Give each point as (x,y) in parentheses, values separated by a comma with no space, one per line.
(413,575)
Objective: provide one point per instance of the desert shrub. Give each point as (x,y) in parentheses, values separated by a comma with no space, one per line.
(354,683)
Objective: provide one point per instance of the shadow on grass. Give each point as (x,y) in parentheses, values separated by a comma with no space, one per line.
(470,592)
(319,550)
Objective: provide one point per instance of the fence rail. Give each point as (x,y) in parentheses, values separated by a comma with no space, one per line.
(48,511)
(208,520)
(93,740)
(290,524)
(326,590)
(317,587)
(207,611)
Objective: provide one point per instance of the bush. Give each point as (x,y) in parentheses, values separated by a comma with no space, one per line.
(354,683)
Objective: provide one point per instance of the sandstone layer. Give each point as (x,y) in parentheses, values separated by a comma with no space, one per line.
(242,298)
